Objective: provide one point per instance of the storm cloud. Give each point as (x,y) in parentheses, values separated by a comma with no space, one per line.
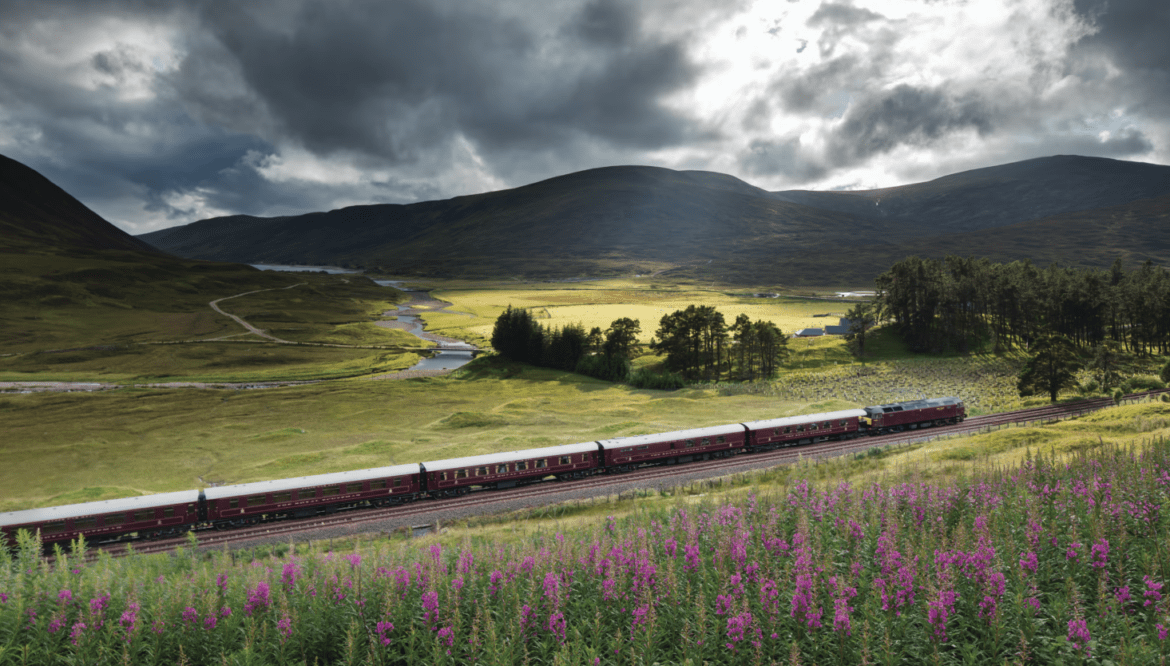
(157,114)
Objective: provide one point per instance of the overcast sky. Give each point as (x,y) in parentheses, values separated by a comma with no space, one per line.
(162,113)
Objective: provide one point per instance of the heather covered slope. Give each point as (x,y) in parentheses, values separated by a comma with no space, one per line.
(713,226)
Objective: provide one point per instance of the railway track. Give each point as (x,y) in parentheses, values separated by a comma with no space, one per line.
(607,484)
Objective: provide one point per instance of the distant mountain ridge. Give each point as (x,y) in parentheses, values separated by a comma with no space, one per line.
(703,224)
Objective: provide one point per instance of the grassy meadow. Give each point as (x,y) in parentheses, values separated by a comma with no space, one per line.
(126,323)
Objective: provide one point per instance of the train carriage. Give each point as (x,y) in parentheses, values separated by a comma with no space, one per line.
(447,478)
(246,503)
(626,453)
(914,414)
(804,429)
(163,514)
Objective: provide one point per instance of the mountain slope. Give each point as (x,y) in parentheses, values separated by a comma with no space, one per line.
(701,224)
(36,214)
(1001,195)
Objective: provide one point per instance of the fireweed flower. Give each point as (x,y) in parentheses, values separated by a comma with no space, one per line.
(556,626)
(382,629)
(938,611)
(284,626)
(3,598)
(1029,563)
(1071,553)
(65,596)
(552,588)
(221,581)
(289,574)
(1078,635)
(1162,631)
(209,622)
(75,634)
(447,635)
(1100,554)
(98,604)
(190,615)
(466,562)
(1153,593)
(257,598)
(1122,595)
(430,603)
(736,629)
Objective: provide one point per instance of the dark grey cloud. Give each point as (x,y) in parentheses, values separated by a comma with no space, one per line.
(393,79)
(1134,35)
(905,115)
(781,157)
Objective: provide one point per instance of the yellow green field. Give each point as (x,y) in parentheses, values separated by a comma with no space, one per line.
(599,303)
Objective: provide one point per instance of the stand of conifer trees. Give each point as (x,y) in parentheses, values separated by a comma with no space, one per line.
(961,303)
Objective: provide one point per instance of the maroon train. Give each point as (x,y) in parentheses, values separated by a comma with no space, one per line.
(221,507)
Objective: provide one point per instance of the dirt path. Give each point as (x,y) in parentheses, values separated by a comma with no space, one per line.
(239,320)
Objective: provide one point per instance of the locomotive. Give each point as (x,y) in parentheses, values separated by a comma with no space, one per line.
(225,507)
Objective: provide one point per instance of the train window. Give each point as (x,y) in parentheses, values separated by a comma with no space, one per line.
(501,469)
(354,487)
(144,515)
(398,482)
(706,441)
(690,443)
(378,484)
(522,465)
(169,512)
(565,460)
(257,500)
(460,474)
(812,426)
(234,503)
(775,431)
(897,408)
(282,497)
(84,523)
(643,447)
(481,471)
(542,463)
(887,410)
(114,519)
(53,528)
(328,491)
(844,422)
(788,430)
(799,428)
(443,476)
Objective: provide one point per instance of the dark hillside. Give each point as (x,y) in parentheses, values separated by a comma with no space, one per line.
(641,219)
(36,214)
(1001,195)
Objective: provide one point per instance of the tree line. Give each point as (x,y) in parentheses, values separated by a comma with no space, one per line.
(960,303)
(697,344)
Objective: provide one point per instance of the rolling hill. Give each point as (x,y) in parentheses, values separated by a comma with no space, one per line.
(713,226)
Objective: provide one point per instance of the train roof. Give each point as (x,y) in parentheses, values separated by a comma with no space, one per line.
(915,404)
(313,481)
(52,513)
(805,418)
(658,438)
(509,456)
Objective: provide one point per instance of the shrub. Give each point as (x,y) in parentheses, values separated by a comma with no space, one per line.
(667,381)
